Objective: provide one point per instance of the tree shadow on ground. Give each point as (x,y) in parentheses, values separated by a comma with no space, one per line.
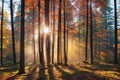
(103,71)
(42,75)
(8,68)
(105,67)
(32,74)
(46,73)
(108,67)
(13,77)
(64,73)
(50,72)
(78,74)
(16,75)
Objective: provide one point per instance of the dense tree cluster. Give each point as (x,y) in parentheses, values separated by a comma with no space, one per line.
(45,28)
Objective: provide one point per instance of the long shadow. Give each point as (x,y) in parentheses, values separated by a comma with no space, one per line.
(13,77)
(18,75)
(42,75)
(9,68)
(70,67)
(75,70)
(32,73)
(83,75)
(64,74)
(50,71)
(94,68)
(103,67)
(108,67)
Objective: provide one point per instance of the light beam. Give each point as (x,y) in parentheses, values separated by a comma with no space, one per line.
(46,30)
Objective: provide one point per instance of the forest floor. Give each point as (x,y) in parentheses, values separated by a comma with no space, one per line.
(60,72)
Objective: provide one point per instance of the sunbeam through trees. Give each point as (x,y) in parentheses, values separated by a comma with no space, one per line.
(60,40)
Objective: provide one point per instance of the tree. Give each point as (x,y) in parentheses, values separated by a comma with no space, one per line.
(2,32)
(53,31)
(91,35)
(13,36)
(115,24)
(65,51)
(47,36)
(59,33)
(40,38)
(86,42)
(33,23)
(22,55)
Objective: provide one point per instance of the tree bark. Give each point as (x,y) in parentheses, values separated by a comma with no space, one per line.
(86,41)
(13,36)
(116,41)
(47,35)
(22,54)
(91,35)
(59,33)
(2,32)
(40,38)
(53,32)
(65,52)
(33,34)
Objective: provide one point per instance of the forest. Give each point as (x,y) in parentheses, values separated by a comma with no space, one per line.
(59,39)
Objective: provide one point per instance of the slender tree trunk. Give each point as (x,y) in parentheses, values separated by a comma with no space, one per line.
(42,62)
(33,34)
(13,36)
(59,32)
(22,54)
(79,40)
(65,52)
(39,29)
(86,42)
(53,32)
(2,32)
(40,38)
(106,28)
(116,41)
(91,35)
(47,35)
(51,29)
(67,36)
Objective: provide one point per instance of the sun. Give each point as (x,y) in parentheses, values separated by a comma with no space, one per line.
(46,30)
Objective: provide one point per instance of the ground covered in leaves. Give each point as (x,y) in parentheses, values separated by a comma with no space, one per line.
(60,72)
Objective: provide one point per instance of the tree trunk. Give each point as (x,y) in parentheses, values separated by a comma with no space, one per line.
(59,32)
(2,32)
(22,55)
(33,34)
(53,32)
(39,47)
(67,36)
(40,38)
(86,41)
(13,36)
(91,35)
(65,52)
(47,35)
(115,24)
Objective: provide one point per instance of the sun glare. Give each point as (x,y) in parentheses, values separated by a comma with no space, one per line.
(46,30)
(36,36)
